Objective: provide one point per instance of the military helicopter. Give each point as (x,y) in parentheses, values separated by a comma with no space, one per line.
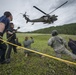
(46,18)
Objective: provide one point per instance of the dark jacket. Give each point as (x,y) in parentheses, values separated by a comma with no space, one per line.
(72,45)
(11,37)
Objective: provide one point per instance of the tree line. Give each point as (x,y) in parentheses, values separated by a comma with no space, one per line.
(64,29)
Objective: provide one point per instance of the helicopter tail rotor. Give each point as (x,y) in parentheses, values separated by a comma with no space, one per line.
(26,17)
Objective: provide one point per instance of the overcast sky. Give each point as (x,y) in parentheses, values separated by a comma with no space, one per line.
(66,14)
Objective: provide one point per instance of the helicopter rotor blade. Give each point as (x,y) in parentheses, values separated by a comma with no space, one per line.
(58,7)
(40,10)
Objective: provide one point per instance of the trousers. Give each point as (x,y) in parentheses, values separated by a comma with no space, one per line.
(65,51)
(10,47)
(3,48)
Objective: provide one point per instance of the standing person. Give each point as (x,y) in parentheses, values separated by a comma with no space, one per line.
(4,25)
(11,36)
(27,44)
(72,45)
(59,45)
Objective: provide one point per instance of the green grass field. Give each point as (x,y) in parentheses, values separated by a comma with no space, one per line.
(35,65)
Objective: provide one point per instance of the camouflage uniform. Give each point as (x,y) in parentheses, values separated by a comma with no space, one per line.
(59,46)
(27,44)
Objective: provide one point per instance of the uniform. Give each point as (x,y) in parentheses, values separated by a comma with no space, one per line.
(59,46)
(27,44)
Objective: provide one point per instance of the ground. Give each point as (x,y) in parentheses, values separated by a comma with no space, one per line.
(34,64)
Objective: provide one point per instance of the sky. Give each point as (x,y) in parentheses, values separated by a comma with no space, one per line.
(66,14)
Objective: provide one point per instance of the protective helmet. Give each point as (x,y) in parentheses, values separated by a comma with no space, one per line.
(54,33)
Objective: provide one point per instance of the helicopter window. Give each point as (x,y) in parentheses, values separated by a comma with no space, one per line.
(45,18)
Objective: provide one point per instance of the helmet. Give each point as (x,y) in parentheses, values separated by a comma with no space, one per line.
(54,33)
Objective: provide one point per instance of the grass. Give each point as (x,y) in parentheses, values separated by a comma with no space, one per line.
(34,65)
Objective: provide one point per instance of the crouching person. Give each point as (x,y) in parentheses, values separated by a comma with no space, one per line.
(27,44)
(59,45)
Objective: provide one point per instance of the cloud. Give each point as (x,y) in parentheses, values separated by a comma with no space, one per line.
(66,14)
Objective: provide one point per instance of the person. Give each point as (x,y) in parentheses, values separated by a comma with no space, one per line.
(4,25)
(11,36)
(59,45)
(72,45)
(17,42)
(27,44)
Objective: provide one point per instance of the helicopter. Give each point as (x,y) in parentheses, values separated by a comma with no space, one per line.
(46,18)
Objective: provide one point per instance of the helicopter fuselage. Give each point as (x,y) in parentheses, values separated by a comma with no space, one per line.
(45,19)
